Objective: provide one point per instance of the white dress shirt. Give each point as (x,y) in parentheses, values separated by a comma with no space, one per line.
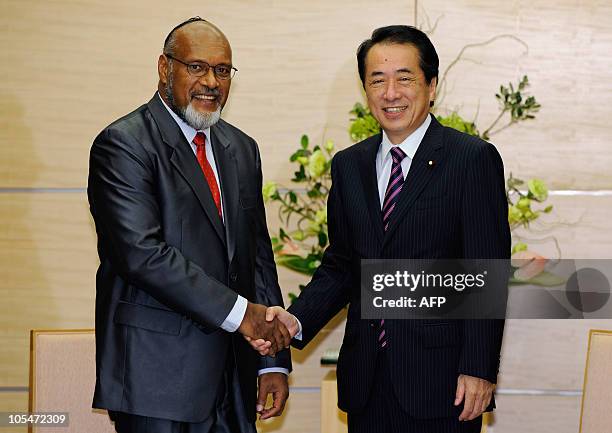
(235,316)
(384,159)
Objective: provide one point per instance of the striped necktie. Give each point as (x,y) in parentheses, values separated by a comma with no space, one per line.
(396,182)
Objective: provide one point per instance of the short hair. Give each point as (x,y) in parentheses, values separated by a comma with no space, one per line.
(170,41)
(401,34)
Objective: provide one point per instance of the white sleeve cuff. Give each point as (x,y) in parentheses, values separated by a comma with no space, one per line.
(273,370)
(298,336)
(234,318)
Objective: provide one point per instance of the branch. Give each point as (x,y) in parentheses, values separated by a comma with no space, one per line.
(442,82)
(430,29)
(291,208)
(512,122)
(485,135)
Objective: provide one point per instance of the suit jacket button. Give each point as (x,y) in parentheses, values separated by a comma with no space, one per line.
(233,276)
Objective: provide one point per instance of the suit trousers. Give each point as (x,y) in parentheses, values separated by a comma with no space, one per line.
(384,414)
(228,414)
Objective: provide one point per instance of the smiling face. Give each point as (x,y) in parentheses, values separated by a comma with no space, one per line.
(398,94)
(198,100)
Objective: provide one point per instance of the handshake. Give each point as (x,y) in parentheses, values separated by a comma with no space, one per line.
(268,329)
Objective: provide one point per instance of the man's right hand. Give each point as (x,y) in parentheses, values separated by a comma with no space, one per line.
(256,327)
(275,314)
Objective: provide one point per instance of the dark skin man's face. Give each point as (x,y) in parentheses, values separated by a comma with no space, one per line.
(196,42)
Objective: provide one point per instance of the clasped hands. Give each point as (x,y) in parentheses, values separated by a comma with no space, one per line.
(268,329)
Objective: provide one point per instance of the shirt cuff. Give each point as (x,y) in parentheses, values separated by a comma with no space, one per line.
(298,336)
(234,318)
(273,370)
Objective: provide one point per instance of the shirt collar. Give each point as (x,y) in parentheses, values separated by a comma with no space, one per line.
(409,145)
(188,131)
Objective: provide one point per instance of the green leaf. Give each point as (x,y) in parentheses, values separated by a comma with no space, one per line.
(300,153)
(300,175)
(322,240)
(455,121)
(545,278)
(313,193)
(519,246)
(363,125)
(304,141)
(295,263)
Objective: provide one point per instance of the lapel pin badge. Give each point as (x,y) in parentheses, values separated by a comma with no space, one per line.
(431,163)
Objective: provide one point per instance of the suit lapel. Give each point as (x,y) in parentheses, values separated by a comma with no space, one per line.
(420,174)
(367,169)
(228,176)
(185,162)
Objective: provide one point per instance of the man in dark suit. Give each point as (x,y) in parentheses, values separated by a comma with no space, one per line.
(418,190)
(185,256)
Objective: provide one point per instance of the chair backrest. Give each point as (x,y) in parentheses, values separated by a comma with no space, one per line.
(595,414)
(62,379)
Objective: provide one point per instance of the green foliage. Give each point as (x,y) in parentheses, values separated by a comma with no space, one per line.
(520,108)
(455,121)
(363,125)
(518,247)
(302,239)
(514,103)
(520,202)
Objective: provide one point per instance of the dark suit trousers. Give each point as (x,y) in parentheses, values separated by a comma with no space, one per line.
(383,413)
(228,416)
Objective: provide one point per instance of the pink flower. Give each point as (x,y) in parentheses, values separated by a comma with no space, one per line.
(529,264)
(289,247)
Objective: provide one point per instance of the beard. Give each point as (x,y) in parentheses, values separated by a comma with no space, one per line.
(198,120)
(192,117)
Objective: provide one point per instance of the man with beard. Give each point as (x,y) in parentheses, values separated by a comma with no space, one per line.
(185,255)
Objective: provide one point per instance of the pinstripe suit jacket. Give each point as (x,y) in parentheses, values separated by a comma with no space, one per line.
(454,209)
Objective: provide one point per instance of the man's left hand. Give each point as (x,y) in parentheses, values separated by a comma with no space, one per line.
(477,393)
(277,385)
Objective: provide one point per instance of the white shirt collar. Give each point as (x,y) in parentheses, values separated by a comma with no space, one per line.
(188,131)
(409,145)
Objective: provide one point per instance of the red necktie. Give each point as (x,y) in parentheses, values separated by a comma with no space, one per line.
(200,142)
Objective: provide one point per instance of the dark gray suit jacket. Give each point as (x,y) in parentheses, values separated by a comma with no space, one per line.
(170,270)
(454,209)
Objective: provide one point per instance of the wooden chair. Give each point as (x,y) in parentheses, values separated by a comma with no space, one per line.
(62,379)
(595,414)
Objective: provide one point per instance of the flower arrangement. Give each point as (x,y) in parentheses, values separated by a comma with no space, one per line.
(301,247)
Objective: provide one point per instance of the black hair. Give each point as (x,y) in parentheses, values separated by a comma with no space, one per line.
(169,41)
(401,34)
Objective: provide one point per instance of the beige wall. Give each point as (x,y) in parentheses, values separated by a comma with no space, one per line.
(69,68)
